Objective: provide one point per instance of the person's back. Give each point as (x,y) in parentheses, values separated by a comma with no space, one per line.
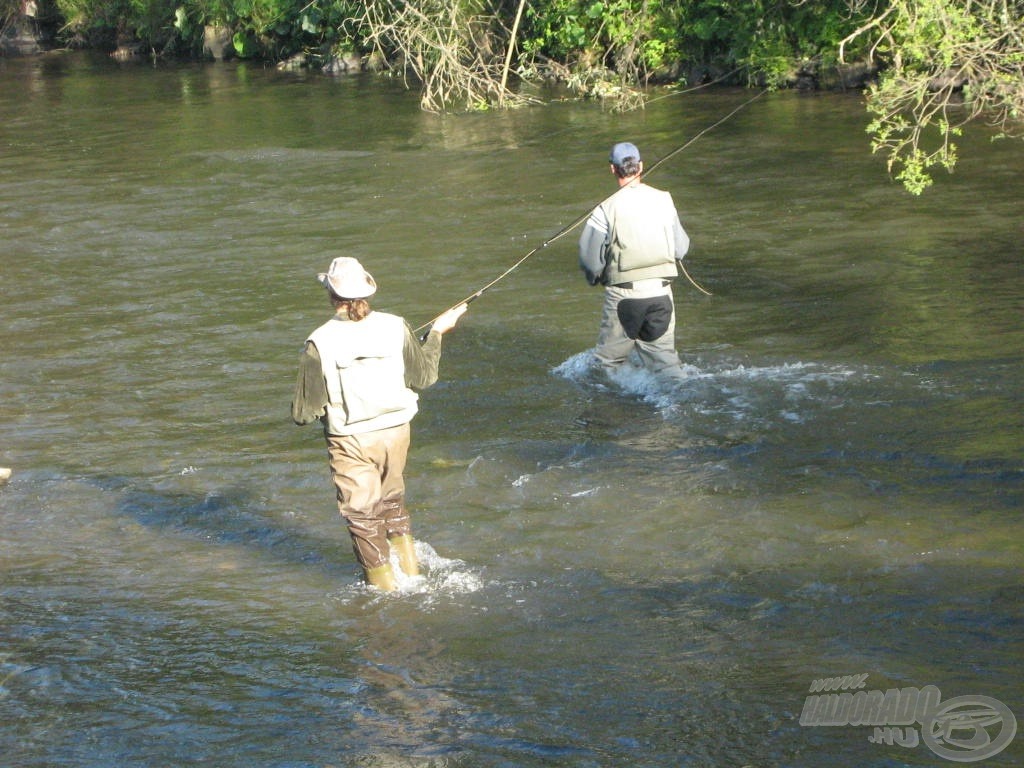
(630,245)
(641,238)
(364,373)
(356,376)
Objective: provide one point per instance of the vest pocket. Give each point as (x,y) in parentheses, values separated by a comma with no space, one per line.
(641,255)
(370,389)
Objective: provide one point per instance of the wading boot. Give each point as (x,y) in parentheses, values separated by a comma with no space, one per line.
(381,577)
(403,547)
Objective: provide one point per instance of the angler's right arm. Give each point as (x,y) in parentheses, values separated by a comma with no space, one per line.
(593,247)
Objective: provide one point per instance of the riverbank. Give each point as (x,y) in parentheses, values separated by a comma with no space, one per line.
(30,36)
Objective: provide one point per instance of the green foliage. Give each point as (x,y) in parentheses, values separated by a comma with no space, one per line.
(106,22)
(946,63)
(634,37)
(768,39)
(630,39)
(263,28)
(557,29)
(765,37)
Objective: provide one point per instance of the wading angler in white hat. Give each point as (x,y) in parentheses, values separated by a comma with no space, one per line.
(356,376)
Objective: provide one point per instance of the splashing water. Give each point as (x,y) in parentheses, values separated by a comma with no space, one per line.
(439,576)
(722,386)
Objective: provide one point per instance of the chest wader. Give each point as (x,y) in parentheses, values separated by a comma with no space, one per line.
(364,373)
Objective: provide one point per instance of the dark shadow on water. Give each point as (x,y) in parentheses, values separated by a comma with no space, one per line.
(228,517)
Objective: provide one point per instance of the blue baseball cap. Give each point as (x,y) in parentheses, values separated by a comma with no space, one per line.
(621,151)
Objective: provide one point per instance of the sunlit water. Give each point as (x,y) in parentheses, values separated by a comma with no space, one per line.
(619,572)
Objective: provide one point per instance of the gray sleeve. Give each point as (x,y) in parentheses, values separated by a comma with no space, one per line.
(592,251)
(682,240)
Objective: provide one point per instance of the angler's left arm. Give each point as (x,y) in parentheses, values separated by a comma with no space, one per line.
(310,397)
(682,240)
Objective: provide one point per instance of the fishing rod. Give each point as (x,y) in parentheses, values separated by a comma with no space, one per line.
(583,217)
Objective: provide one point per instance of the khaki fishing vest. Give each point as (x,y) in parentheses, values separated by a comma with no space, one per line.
(641,240)
(364,370)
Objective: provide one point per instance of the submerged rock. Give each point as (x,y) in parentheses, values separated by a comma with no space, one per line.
(18,38)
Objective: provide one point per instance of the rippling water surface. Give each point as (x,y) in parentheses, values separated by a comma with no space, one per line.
(620,572)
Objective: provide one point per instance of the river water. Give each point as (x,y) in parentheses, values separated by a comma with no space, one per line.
(620,572)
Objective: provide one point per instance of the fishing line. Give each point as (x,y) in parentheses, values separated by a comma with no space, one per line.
(583,217)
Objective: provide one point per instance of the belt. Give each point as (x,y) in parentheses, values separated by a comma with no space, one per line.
(630,285)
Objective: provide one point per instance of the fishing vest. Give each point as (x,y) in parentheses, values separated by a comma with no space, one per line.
(364,369)
(641,238)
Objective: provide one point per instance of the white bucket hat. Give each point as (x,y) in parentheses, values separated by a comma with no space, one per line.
(347,279)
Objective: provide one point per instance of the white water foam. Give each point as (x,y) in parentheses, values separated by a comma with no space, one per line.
(631,378)
(440,575)
(736,388)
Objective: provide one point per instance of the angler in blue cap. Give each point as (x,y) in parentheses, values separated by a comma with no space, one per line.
(631,245)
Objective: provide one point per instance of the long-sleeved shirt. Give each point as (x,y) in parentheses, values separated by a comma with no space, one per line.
(310,398)
(649,221)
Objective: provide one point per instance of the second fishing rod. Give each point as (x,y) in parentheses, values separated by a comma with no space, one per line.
(584,216)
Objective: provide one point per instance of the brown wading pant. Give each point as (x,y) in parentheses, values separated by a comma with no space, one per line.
(367,473)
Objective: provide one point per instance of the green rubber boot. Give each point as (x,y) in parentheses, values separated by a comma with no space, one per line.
(406,551)
(381,577)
